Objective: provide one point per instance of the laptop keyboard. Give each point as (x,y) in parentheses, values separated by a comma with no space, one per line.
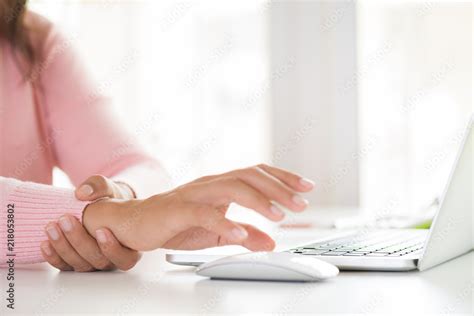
(371,244)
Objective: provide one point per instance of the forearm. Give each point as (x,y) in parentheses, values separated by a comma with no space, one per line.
(25,209)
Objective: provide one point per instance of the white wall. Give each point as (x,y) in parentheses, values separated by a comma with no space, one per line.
(415,98)
(314,102)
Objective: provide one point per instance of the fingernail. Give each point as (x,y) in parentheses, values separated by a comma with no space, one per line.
(65,224)
(269,246)
(276,211)
(86,190)
(100,236)
(298,200)
(307,183)
(52,232)
(46,249)
(239,233)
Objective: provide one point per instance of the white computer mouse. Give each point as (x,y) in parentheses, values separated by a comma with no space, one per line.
(274,266)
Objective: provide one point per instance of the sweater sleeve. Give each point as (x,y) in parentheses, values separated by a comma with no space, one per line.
(25,209)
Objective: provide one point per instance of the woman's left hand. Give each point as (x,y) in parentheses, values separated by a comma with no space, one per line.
(70,247)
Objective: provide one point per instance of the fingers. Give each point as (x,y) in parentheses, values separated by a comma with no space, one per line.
(70,247)
(52,257)
(275,184)
(272,188)
(226,190)
(292,180)
(95,187)
(59,242)
(213,220)
(257,240)
(83,243)
(123,258)
(232,233)
(199,238)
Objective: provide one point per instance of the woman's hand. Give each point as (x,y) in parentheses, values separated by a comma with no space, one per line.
(70,247)
(192,216)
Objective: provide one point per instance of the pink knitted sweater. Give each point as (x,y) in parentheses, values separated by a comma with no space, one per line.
(56,118)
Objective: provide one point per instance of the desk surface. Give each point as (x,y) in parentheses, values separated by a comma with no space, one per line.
(155,286)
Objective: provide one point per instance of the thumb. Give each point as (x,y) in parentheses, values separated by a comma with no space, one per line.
(94,187)
(231,231)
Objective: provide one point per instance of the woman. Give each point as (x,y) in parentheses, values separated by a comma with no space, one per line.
(52,116)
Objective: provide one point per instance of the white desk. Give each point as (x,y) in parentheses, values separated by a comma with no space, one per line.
(155,286)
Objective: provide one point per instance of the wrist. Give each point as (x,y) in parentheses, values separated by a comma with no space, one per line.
(100,213)
(115,214)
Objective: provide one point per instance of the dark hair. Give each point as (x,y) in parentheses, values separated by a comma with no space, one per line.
(15,31)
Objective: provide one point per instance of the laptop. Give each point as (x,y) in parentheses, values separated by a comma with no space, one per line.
(450,234)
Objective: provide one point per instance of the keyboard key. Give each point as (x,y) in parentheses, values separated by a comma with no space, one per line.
(402,246)
(359,252)
(376,254)
(334,253)
(327,247)
(314,252)
(412,248)
(348,249)
(407,251)
(380,246)
(354,254)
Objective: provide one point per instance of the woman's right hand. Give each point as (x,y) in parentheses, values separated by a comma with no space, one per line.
(192,216)
(71,247)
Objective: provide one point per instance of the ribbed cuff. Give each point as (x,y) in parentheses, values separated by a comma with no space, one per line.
(34,206)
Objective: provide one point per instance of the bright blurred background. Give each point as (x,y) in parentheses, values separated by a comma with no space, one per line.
(367,98)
